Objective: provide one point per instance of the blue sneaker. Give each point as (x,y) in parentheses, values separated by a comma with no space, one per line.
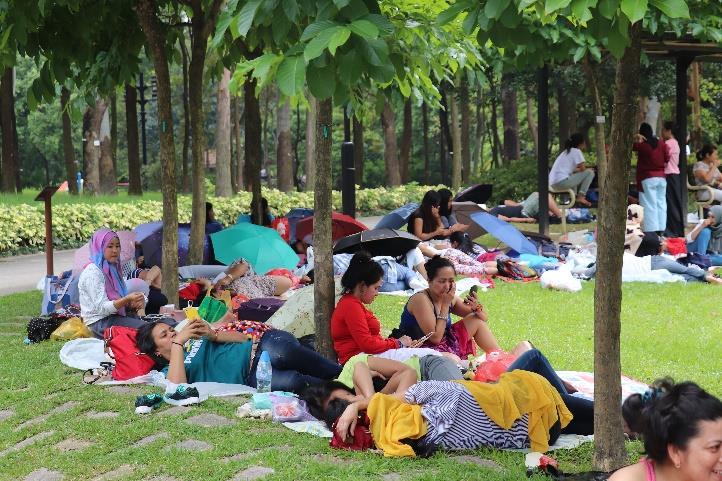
(146,404)
(183,396)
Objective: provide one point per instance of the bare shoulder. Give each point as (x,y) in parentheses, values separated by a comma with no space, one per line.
(633,472)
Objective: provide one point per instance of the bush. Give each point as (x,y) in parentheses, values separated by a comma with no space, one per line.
(514,181)
(22,226)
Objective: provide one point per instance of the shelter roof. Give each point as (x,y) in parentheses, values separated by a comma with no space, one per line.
(669,45)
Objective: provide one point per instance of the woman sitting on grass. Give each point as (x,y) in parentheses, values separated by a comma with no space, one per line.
(241,279)
(681,427)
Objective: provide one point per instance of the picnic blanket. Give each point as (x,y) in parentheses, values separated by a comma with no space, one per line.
(462,285)
(584,383)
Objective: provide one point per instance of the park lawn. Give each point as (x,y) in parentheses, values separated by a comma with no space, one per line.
(660,334)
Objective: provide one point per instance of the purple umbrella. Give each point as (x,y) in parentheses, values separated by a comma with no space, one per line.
(150,236)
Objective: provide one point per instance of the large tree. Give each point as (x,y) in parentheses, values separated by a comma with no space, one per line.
(223,138)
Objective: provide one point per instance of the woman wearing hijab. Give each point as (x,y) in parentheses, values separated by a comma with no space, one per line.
(652,156)
(706,237)
(104,297)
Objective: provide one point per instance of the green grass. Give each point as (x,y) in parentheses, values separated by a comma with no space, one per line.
(666,330)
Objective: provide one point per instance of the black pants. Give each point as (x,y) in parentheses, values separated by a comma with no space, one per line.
(156,300)
(675,215)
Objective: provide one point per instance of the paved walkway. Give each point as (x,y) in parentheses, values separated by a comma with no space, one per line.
(22,273)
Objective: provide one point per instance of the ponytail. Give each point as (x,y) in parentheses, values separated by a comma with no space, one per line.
(361,269)
(573,142)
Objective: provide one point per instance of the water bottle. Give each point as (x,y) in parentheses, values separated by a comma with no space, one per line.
(264,373)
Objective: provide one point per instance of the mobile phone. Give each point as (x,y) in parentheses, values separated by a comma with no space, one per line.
(422,339)
(474,289)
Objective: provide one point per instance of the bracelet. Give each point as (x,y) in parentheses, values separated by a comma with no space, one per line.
(442,318)
(177,343)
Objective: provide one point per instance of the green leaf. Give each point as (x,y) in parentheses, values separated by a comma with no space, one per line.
(469,23)
(341,3)
(634,9)
(248,12)
(262,66)
(291,10)
(552,6)
(315,28)
(5,36)
(224,21)
(495,8)
(319,43)
(291,75)
(608,8)
(616,43)
(382,23)
(384,73)
(364,28)
(579,53)
(375,51)
(280,28)
(321,81)
(339,38)
(672,8)
(453,11)
(580,9)
(350,67)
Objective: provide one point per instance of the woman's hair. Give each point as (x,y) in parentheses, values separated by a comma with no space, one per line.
(316,395)
(266,221)
(646,130)
(669,413)
(435,263)
(574,141)
(464,242)
(362,268)
(146,344)
(707,149)
(669,125)
(431,199)
(444,198)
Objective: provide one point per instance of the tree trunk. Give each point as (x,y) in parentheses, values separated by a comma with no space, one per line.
(266,95)
(465,132)
(253,145)
(358,150)
(406,138)
(68,151)
(93,143)
(425,128)
(695,79)
(455,141)
(609,450)
(391,155)
(591,74)
(323,285)
(443,144)
(310,165)
(237,150)
(510,113)
(494,125)
(185,175)
(108,176)
(155,39)
(565,129)
(135,186)
(7,107)
(284,152)
(114,131)
(223,138)
(531,123)
(479,136)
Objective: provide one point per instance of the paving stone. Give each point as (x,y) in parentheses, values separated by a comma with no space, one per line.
(162,477)
(123,390)
(210,420)
(116,473)
(26,442)
(391,477)
(58,409)
(329,458)
(151,439)
(485,463)
(102,414)
(192,445)
(6,413)
(175,411)
(43,474)
(72,445)
(254,472)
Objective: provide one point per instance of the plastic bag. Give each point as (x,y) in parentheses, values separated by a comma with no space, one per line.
(73,328)
(212,309)
(287,410)
(561,280)
(496,364)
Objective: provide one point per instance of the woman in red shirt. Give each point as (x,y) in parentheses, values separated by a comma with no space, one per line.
(651,181)
(354,328)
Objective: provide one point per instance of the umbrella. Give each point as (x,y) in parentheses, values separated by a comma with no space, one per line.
(378,242)
(479,194)
(127,251)
(341,226)
(294,216)
(150,236)
(261,246)
(144,230)
(505,232)
(397,218)
(463,211)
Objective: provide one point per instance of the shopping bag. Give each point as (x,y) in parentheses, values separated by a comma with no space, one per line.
(212,309)
(55,293)
(73,328)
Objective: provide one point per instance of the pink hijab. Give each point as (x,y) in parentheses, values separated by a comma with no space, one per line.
(114,283)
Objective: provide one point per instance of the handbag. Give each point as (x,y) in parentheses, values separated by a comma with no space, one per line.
(259,309)
(55,293)
(121,346)
(212,309)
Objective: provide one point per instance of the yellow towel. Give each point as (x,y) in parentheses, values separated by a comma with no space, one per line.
(393,420)
(518,393)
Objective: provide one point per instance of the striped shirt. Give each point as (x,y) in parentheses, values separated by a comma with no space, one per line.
(455,420)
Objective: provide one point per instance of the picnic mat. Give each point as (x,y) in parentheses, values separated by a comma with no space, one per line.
(584,383)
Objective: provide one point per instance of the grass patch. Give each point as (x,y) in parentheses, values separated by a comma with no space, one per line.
(666,330)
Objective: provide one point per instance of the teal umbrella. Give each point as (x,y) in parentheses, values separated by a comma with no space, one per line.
(262,247)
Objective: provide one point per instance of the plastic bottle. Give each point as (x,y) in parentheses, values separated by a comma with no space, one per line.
(264,373)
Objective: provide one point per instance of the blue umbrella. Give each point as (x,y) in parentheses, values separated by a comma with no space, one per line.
(150,236)
(505,232)
(397,218)
(295,215)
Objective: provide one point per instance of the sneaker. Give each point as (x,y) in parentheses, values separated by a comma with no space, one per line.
(145,404)
(183,396)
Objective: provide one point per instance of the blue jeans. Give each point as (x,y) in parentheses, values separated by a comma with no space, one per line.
(403,276)
(101,325)
(581,409)
(700,244)
(690,273)
(294,365)
(654,200)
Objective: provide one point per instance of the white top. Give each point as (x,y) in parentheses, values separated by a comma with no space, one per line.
(704,167)
(565,165)
(633,266)
(94,302)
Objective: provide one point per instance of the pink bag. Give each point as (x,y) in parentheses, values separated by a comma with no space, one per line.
(496,364)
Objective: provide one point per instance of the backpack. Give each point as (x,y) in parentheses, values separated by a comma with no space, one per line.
(40,328)
(514,270)
(121,346)
(260,309)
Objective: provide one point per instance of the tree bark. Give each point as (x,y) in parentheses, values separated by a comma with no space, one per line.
(609,450)
(695,79)
(284,154)
(253,145)
(565,128)
(223,138)
(406,139)
(599,137)
(358,150)
(425,128)
(391,155)
(323,285)
(185,175)
(237,148)
(310,165)
(7,108)
(155,38)
(93,144)
(494,125)
(114,130)
(531,122)
(135,186)
(465,132)
(455,141)
(510,114)
(479,136)
(108,176)
(68,151)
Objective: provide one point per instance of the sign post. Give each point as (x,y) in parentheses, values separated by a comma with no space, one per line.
(45,195)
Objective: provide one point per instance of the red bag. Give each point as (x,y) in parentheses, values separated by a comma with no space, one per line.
(677,246)
(282,227)
(121,346)
(361,440)
(496,364)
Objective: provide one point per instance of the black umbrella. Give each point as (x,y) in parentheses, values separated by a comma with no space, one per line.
(378,242)
(479,194)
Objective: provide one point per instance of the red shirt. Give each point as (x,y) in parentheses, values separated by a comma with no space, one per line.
(355,329)
(650,162)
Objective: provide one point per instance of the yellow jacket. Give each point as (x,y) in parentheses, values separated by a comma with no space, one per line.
(393,420)
(518,393)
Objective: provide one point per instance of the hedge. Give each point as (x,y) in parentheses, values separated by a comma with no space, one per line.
(22,227)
